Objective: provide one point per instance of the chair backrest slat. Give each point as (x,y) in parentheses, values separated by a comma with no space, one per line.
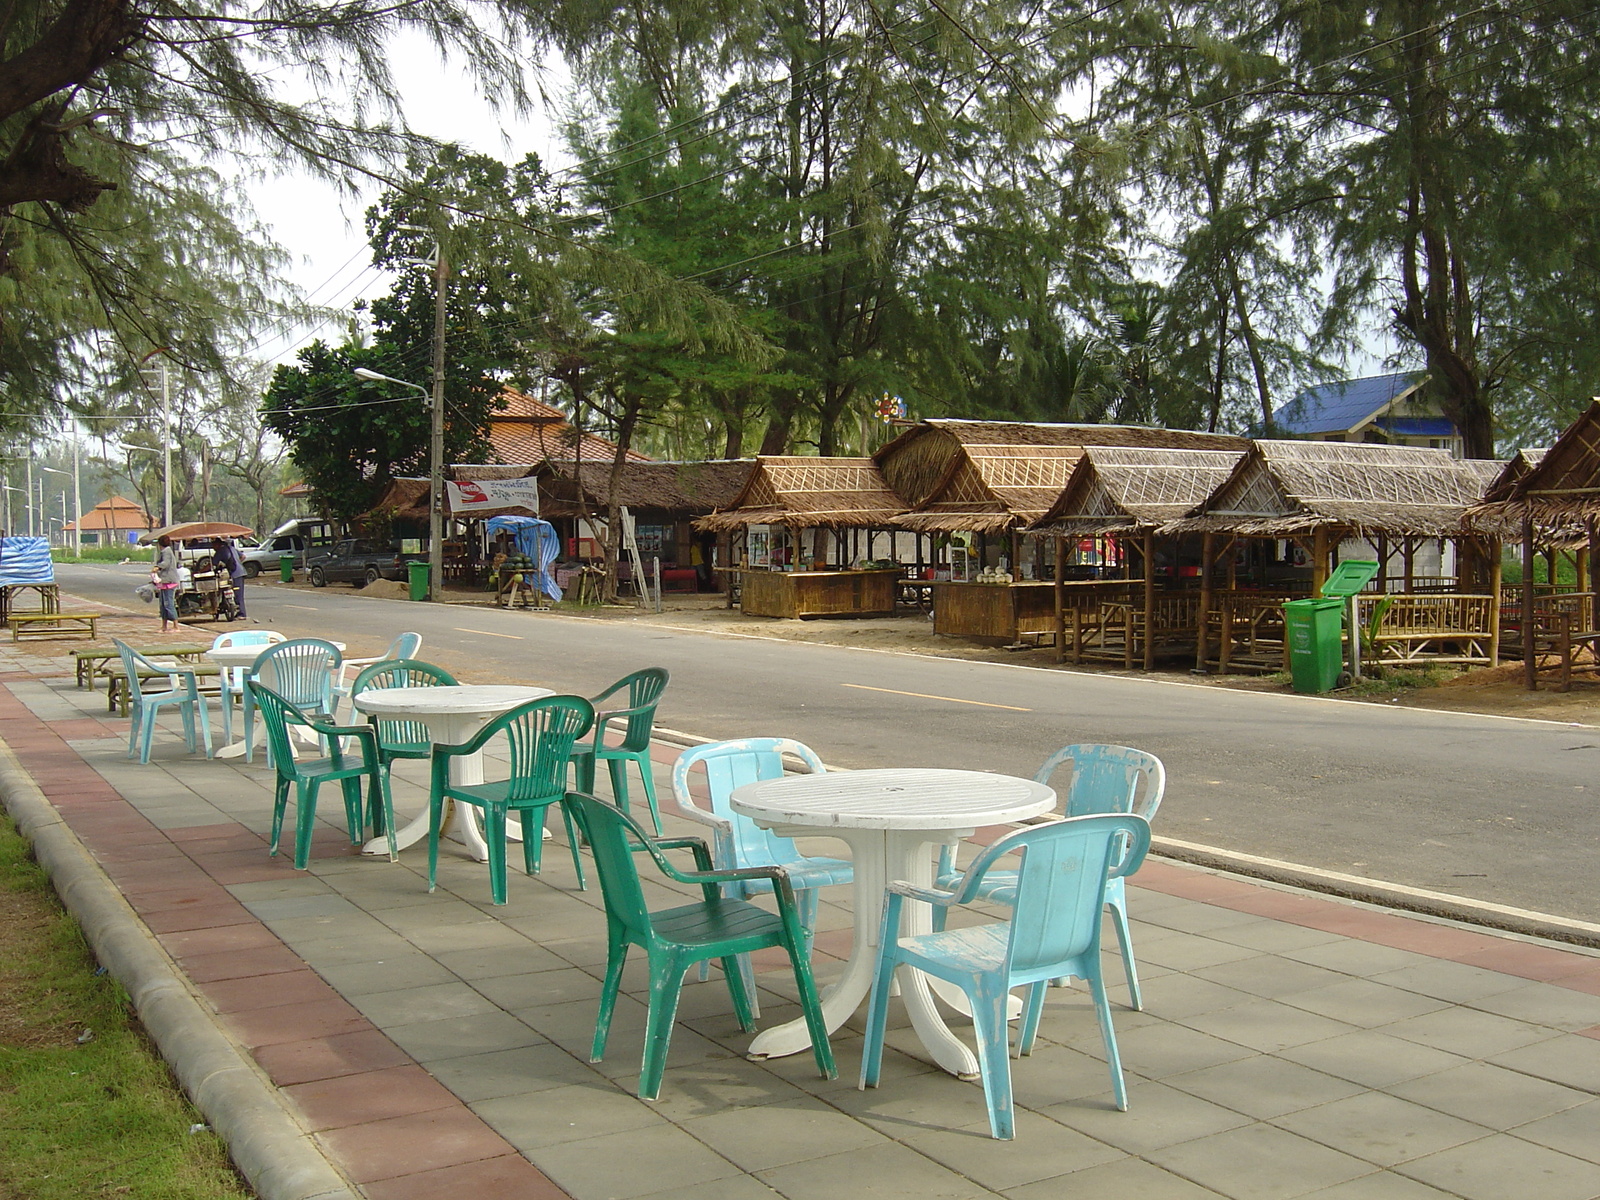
(1108,779)
(613,837)
(732,764)
(643,690)
(395,673)
(277,714)
(301,671)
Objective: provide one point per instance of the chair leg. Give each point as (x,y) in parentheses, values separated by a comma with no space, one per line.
(494,833)
(532,822)
(616,959)
(305,820)
(573,842)
(616,768)
(646,778)
(994,1058)
(1119,919)
(280,801)
(227,713)
(147,733)
(354,809)
(205,721)
(381,800)
(436,803)
(877,1018)
(740,989)
(811,1009)
(135,720)
(1108,1035)
(1030,1017)
(666,980)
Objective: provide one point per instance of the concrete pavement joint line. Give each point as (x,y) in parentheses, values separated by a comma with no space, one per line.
(925,696)
(265,1141)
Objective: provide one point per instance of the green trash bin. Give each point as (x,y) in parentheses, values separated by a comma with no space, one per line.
(418,572)
(1316,647)
(286,568)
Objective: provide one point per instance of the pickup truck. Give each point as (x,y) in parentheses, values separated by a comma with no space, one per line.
(357,561)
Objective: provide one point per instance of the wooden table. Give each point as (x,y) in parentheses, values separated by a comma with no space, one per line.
(891,819)
(452,713)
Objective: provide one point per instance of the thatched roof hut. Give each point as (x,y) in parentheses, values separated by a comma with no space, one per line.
(1560,487)
(685,488)
(1119,489)
(1286,488)
(923,461)
(810,493)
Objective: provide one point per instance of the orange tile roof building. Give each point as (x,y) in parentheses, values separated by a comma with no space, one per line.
(112,522)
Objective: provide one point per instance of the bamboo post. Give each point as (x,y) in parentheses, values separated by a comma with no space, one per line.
(1319,558)
(1208,545)
(1383,562)
(1061,600)
(1149,601)
(1494,601)
(1530,674)
(1410,552)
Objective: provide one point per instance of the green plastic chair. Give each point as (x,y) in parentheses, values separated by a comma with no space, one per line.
(309,774)
(1053,932)
(399,738)
(540,735)
(675,939)
(644,690)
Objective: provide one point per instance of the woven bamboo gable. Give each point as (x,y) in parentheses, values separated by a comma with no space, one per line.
(992,488)
(1119,490)
(919,462)
(1281,488)
(810,493)
(1563,487)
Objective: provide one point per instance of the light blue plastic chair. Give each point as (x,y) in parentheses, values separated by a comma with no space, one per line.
(301,671)
(404,646)
(1105,779)
(1054,932)
(145,706)
(738,842)
(231,679)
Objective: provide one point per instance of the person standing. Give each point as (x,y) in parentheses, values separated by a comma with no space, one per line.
(226,555)
(164,575)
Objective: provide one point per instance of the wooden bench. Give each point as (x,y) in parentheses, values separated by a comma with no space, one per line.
(96,662)
(56,624)
(117,697)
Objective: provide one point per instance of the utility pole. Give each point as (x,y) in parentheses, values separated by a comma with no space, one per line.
(441,272)
(166,446)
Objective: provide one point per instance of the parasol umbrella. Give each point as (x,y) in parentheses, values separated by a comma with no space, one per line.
(190,530)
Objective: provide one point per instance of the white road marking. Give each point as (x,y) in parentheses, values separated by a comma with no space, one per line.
(924,696)
(490,633)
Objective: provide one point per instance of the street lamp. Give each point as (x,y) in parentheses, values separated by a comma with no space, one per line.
(435,478)
(77,515)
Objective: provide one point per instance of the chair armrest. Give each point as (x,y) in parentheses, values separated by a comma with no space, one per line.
(928,895)
(602,719)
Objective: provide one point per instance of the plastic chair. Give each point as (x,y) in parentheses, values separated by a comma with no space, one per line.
(1054,932)
(540,735)
(232,678)
(145,706)
(1105,779)
(308,775)
(403,647)
(674,939)
(738,842)
(644,690)
(301,671)
(398,738)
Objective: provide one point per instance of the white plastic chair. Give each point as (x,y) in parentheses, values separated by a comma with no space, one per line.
(231,679)
(404,646)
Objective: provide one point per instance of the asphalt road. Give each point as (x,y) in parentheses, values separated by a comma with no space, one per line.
(1496,809)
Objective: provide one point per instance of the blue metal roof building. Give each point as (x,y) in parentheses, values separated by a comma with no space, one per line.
(1379,408)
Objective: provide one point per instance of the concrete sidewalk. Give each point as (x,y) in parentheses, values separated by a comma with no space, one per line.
(1292,1045)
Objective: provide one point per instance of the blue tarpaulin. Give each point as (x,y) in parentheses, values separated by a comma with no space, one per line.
(25,560)
(538,542)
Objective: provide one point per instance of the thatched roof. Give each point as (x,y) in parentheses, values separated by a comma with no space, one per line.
(1281,488)
(404,499)
(1560,488)
(686,488)
(1117,489)
(920,461)
(995,487)
(806,493)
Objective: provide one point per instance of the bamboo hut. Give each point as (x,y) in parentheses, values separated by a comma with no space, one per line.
(1306,498)
(1556,499)
(819,513)
(1128,493)
(991,480)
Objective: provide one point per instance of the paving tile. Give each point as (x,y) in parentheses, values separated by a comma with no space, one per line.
(1267,1025)
(698,1087)
(289,1063)
(774,1135)
(267,991)
(490,963)
(426,1141)
(541,988)
(1191,953)
(1271,936)
(1259,1162)
(735,1187)
(404,969)
(189,943)
(634,1163)
(1545,1004)
(1270,976)
(294,1022)
(1466,1031)
(1364,1003)
(1125,1179)
(1055,1074)
(1042,1149)
(1264,1086)
(1175,996)
(879,1172)
(428,1002)
(1373,1058)
(475,1077)
(1500,1166)
(1455,982)
(1381,1129)
(369,1096)
(533,1121)
(1382,1185)
(1574,1131)
(508,1177)
(1157,1116)
(1530,960)
(1485,1093)
(1157,1051)
(455,1037)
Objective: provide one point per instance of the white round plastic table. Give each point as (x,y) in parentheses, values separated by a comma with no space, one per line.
(890,818)
(244,657)
(452,713)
